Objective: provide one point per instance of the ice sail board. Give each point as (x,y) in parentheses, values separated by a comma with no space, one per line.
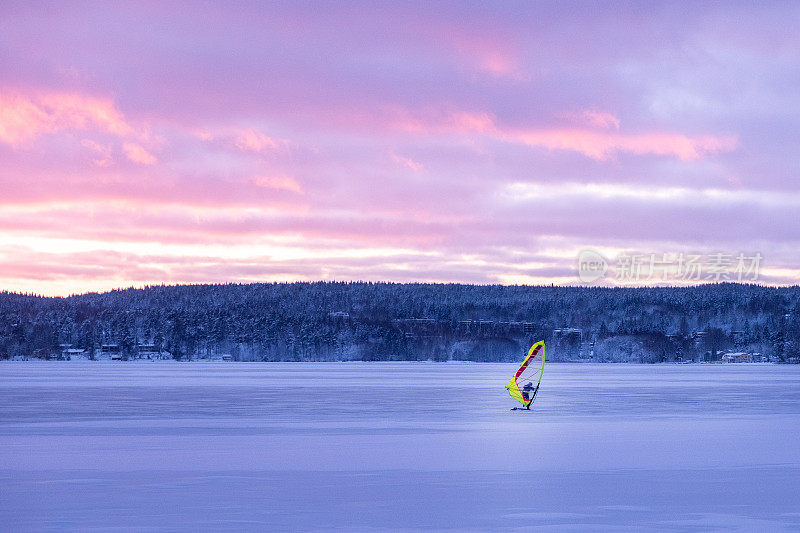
(525,383)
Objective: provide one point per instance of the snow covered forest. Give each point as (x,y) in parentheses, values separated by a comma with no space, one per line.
(388,321)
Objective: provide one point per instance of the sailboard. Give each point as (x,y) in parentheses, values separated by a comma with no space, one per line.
(525,383)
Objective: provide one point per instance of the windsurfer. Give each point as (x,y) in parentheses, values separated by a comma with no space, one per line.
(527,373)
(526,390)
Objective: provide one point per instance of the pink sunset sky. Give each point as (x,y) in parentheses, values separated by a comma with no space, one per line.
(167,142)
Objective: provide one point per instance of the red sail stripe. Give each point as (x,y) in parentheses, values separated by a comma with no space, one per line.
(527,362)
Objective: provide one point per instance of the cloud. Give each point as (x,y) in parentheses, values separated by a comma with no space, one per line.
(596,144)
(470,135)
(137,154)
(255,141)
(103,152)
(491,53)
(25,117)
(600,119)
(408,163)
(434,123)
(285,183)
(602,145)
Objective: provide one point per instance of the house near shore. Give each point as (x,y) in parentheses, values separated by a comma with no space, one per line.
(109,351)
(73,353)
(736,357)
(150,351)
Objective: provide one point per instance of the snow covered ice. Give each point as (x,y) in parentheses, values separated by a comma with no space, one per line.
(360,446)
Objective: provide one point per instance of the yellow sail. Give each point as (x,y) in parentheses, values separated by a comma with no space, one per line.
(527,373)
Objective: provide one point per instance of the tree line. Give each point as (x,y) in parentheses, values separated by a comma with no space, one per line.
(336,321)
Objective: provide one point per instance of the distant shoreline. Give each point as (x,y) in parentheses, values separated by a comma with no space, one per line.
(362,321)
(423,362)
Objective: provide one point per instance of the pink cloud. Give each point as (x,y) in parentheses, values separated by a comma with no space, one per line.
(600,119)
(50,271)
(486,47)
(131,142)
(593,143)
(25,117)
(408,163)
(203,134)
(490,55)
(22,120)
(137,154)
(459,122)
(102,152)
(255,141)
(499,64)
(79,178)
(285,183)
(170,224)
(603,145)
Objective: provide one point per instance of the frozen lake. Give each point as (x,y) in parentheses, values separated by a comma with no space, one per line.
(359,446)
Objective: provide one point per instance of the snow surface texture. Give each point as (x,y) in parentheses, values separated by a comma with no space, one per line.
(360,446)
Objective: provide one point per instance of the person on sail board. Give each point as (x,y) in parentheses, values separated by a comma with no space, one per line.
(526,390)
(526,374)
